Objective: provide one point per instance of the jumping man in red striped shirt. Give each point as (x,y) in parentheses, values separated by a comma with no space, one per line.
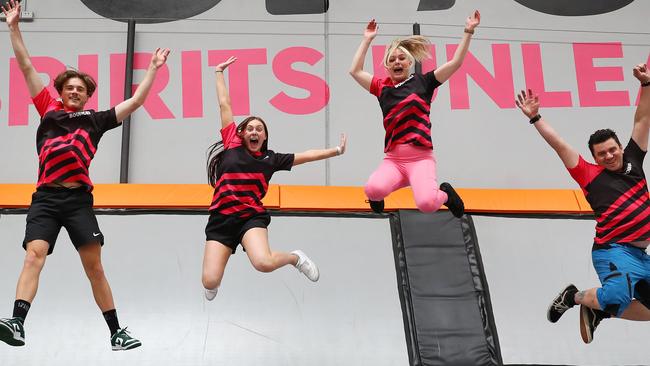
(66,141)
(239,168)
(617,191)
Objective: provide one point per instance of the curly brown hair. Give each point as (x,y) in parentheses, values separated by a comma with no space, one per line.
(60,80)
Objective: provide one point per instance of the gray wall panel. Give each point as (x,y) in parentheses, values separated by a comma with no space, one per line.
(351,316)
(527,263)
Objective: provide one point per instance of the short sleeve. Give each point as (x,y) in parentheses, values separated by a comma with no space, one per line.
(634,153)
(45,102)
(431,81)
(106,120)
(375,86)
(283,161)
(583,173)
(229,136)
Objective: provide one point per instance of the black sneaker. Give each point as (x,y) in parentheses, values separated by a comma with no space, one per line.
(454,202)
(589,320)
(377,206)
(561,303)
(12,331)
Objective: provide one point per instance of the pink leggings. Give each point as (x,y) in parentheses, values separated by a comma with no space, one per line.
(407,165)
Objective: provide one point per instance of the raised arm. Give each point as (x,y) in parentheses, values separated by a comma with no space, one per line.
(529,105)
(129,106)
(222,92)
(313,155)
(362,77)
(642,115)
(11,11)
(444,72)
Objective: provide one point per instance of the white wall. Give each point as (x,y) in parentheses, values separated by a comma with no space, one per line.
(486,145)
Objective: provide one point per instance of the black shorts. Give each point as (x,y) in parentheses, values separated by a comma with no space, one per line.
(53,208)
(229,230)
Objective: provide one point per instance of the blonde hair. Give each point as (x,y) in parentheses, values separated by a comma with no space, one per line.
(416,48)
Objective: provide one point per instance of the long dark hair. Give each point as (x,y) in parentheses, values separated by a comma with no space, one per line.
(215,151)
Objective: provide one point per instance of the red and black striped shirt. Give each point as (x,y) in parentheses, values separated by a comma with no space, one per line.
(244,178)
(619,199)
(66,140)
(406,107)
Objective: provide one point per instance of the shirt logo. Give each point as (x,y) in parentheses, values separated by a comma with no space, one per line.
(402,83)
(80,113)
(97,234)
(628,168)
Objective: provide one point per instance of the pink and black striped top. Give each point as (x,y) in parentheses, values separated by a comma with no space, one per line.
(619,199)
(66,141)
(406,107)
(243,178)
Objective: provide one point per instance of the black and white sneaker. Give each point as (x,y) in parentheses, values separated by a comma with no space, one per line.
(12,331)
(454,202)
(589,320)
(561,303)
(123,341)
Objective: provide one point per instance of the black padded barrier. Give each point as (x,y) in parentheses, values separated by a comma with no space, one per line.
(443,291)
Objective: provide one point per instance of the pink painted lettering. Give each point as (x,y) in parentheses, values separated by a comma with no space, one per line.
(588,75)
(238,74)
(319,93)
(500,87)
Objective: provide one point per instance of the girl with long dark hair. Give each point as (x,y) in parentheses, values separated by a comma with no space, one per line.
(239,168)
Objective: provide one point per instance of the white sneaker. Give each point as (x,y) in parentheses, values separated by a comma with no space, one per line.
(210,294)
(306,266)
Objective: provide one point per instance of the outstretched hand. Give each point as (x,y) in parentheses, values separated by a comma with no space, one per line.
(528,103)
(224,65)
(473,20)
(371,30)
(11,10)
(159,57)
(641,72)
(343,144)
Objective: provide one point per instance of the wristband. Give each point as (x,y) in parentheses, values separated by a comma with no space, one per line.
(647,83)
(535,118)
(470,31)
(338,150)
(218,70)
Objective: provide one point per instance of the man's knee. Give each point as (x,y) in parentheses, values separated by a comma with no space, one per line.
(35,256)
(614,300)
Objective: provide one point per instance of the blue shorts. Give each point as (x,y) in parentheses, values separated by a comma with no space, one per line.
(624,271)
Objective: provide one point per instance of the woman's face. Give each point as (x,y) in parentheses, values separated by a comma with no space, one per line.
(398,66)
(254,135)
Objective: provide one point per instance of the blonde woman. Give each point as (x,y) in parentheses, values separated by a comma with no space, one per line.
(405,101)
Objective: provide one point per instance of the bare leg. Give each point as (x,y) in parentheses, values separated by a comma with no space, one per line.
(35,256)
(90,255)
(636,311)
(215,258)
(588,298)
(256,243)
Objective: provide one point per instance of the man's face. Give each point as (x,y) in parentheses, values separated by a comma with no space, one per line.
(74,94)
(609,155)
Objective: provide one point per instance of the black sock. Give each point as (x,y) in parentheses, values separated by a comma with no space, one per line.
(571,301)
(111,319)
(21,307)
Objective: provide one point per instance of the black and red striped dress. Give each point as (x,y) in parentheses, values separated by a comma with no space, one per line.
(66,141)
(619,199)
(243,178)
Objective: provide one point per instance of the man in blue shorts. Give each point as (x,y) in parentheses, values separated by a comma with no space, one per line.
(617,192)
